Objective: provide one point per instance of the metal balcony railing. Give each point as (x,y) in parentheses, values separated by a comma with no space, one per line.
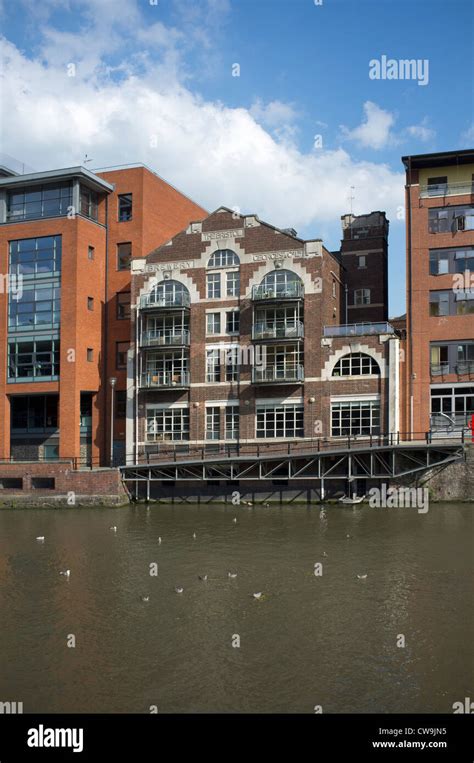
(279,292)
(163,379)
(156,301)
(359,329)
(262,330)
(278,374)
(446,189)
(165,338)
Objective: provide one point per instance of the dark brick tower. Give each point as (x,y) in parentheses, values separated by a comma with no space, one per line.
(364,255)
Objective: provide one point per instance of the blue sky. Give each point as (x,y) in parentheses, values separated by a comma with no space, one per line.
(153,83)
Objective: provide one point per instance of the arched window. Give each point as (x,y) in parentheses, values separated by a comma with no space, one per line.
(356,364)
(224,258)
(281,283)
(169,294)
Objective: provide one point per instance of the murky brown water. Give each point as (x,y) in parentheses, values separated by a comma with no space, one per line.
(328,640)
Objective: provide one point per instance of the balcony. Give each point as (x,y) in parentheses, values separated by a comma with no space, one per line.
(165,380)
(359,329)
(153,301)
(278,331)
(279,294)
(462,368)
(166,338)
(278,375)
(446,189)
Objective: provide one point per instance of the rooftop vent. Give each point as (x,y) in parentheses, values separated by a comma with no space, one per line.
(289,232)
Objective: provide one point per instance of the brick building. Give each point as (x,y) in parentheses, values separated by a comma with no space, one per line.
(67,238)
(240,336)
(439,372)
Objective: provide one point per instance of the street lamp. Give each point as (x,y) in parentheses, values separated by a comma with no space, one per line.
(112,382)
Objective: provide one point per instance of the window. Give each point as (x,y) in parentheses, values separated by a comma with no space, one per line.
(90,303)
(39,307)
(125,207)
(90,253)
(90,354)
(213,323)
(213,423)
(213,285)
(124,256)
(35,257)
(280,283)
(362,297)
(443,261)
(233,322)
(167,368)
(121,349)
(232,364)
(233,283)
(437,186)
(276,322)
(450,219)
(169,294)
(51,452)
(279,421)
(53,200)
(213,365)
(232,422)
(361,261)
(463,303)
(356,364)
(223,258)
(34,413)
(451,406)
(33,359)
(167,329)
(123,305)
(120,404)
(439,303)
(88,202)
(355,418)
(166,423)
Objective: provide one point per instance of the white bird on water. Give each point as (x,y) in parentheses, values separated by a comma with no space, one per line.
(362,577)
(114,529)
(67,573)
(40,538)
(159,541)
(194,536)
(145,598)
(232,574)
(179,589)
(257,595)
(234,520)
(202,577)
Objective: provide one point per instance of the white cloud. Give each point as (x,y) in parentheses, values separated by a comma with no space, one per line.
(421,131)
(217,154)
(375,130)
(467,137)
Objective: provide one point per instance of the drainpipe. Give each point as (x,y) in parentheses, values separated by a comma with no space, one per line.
(106,319)
(409,305)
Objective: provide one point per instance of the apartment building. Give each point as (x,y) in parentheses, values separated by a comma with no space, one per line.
(240,336)
(67,239)
(439,369)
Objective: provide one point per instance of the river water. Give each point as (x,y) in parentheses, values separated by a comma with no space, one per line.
(332,640)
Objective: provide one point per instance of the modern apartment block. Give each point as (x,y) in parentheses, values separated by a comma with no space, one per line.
(240,336)
(439,372)
(67,238)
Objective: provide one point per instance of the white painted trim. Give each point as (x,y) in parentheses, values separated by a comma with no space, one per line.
(279,401)
(350,349)
(162,406)
(361,398)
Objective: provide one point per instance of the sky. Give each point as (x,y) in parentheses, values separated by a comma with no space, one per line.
(273,107)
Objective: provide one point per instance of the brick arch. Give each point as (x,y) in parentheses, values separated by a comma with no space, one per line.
(264,268)
(182,278)
(328,368)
